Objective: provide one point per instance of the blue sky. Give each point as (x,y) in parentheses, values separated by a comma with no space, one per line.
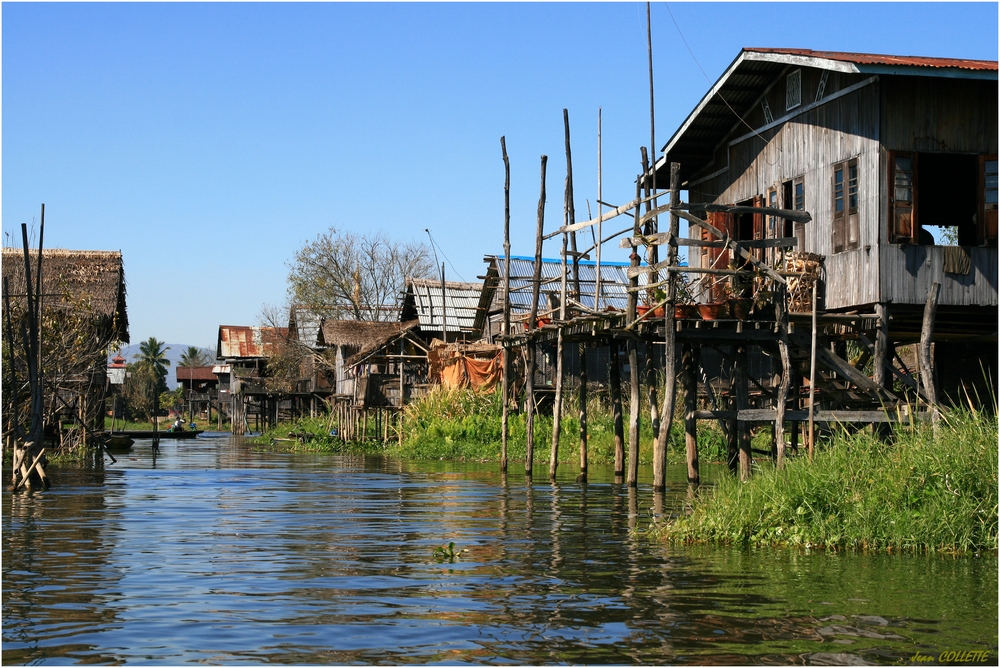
(208,142)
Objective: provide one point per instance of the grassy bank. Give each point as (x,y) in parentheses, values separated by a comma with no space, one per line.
(922,492)
(464,424)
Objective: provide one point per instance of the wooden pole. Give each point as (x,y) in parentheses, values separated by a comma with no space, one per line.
(633,356)
(597,250)
(812,375)
(560,349)
(786,377)
(882,359)
(651,258)
(572,207)
(582,396)
(689,370)
(444,309)
(670,339)
(504,425)
(742,403)
(615,389)
(926,337)
(532,323)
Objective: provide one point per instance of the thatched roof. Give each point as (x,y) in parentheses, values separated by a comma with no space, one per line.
(389,334)
(356,334)
(93,280)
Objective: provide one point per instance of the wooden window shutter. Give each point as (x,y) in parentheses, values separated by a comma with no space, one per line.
(986,223)
(853,205)
(903,223)
(719,258)
(839,205)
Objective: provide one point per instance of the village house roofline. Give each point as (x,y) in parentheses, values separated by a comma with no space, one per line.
(355,333)
(248,341)
(754,70)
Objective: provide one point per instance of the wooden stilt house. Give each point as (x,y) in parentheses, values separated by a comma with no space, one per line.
(895,157)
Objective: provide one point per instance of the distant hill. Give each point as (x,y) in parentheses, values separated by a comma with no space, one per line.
(173,354)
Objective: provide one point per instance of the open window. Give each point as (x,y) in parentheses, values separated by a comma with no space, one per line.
(942,198)
(846,226)
(793,196)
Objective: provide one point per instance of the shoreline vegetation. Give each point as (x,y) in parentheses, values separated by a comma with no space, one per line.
(464,425)
(927,489)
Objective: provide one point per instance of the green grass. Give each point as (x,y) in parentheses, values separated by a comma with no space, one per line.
(921,492)
(465,425)
(279,439)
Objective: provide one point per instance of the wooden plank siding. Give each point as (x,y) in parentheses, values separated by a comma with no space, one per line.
(946,115)
(907,273)
(809,145)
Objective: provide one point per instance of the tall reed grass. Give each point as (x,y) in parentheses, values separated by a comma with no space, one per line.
(926,490)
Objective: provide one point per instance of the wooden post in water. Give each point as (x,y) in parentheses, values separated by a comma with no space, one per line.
(670,338)
(689,371)
(615,390)
(786,376)
(582,397)
(560,373)
(652,256)
(505,389)
(742,403)
(532,323)
(812,374)
(882,359)
(560,349)
(926,363)
(633,354)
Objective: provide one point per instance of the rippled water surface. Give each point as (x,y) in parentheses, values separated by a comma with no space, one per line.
(215,554)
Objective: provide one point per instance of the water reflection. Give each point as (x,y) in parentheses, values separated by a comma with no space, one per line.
(223,554)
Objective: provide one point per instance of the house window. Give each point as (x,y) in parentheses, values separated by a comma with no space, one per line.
(846,226)
(793,90)
(793,196)
(942,198)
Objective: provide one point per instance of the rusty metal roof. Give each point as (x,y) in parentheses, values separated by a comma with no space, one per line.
(881,59)
(194,373)
(237,341)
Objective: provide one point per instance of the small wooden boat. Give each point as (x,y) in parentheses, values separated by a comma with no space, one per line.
(166,433)
(118,442)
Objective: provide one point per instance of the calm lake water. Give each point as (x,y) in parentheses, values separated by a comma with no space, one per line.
(216,554)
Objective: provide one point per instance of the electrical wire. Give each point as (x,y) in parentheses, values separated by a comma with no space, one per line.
(435,244)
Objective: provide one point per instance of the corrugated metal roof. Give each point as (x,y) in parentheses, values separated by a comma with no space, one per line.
(194,373)
(237,341)
(423,301)
(881,59)
(614,282)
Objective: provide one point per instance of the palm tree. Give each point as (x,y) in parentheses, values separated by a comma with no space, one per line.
(193,356)
(154,355)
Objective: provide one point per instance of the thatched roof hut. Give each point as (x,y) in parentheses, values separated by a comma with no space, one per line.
(93,281)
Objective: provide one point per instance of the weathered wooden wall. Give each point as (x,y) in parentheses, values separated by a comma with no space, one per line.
(907,273)
(808,146)
(947,115)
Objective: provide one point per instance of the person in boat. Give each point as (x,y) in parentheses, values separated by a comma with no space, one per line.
(178,425)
